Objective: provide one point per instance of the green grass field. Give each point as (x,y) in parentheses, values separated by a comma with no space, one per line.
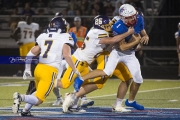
(152,93)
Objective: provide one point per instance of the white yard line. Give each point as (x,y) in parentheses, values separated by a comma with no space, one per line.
(11,78)
(138,92)
(145,91)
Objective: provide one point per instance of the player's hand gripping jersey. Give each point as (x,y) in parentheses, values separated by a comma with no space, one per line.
(91,47)
(27,31)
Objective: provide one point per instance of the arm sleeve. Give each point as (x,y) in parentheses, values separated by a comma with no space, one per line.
(142,23)
(74,38)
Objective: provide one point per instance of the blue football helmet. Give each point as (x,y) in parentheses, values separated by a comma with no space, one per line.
(59,14)
(102,22)
(57,24)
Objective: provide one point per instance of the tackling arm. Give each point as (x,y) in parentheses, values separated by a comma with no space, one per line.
(125,46)
(117,38)
(67,56)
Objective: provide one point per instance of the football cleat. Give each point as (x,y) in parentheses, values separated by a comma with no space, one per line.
(18,74)
(78,109)
(17,101)
(119,108)
(68,102)
(28,113)
(58,101)
(134,105)
(86,102)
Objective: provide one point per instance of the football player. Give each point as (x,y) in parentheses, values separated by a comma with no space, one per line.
(129,18)
(28,32)
(94,44)
(64,65)
(177,37)
(52,46)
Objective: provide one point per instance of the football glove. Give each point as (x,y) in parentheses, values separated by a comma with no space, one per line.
(77,73)
(27,74)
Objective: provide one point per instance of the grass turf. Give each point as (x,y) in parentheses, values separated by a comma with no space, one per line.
(152,93)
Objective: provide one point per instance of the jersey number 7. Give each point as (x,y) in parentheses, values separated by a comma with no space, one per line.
(49,43)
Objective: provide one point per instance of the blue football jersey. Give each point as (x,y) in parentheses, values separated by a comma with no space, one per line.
(119,27)
(75,40)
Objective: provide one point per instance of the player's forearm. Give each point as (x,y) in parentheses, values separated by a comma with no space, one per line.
(28,59)
(120,37)
(33,52)
(125,46)
(70,62)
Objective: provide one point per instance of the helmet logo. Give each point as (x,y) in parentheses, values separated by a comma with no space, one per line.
(121,10)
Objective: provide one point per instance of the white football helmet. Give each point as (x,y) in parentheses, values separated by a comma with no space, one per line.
(179,25)
(128,11)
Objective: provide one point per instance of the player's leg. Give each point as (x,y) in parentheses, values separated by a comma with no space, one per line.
(134,67)
(123,74)
(101,61)
(75,105)
(69,75)
(44,84)
(179,66)
(22,50)
(59,99)
(110,67)
(113,60)
(31,88)
(89,85)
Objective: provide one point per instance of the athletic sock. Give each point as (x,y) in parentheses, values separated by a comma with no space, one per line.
(131,101)
(27,107)
(119,101)
(31,99)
